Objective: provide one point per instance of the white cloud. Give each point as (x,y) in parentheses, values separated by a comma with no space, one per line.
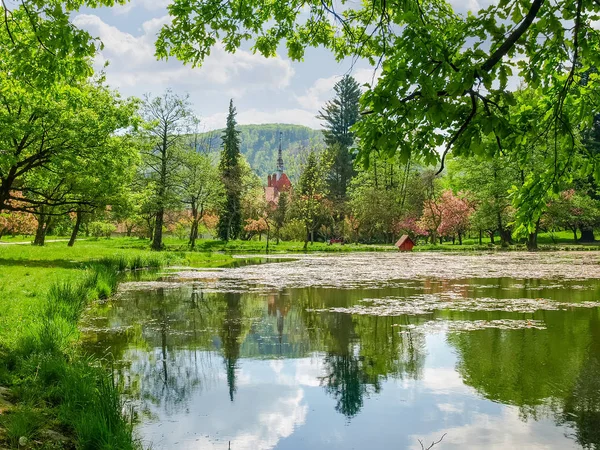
(133,66)
(149,5)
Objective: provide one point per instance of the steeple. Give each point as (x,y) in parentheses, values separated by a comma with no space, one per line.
(279,159)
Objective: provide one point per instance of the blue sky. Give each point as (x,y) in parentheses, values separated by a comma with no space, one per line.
(273,90)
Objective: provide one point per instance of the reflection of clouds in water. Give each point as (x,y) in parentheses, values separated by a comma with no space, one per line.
(300,372)
(277,423)
(264,412)
(504,431)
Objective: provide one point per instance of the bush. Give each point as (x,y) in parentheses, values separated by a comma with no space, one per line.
(294,230)
(101,229)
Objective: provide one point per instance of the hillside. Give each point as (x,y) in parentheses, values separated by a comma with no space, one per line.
(260,143)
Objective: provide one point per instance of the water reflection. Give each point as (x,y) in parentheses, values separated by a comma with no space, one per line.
(282,369)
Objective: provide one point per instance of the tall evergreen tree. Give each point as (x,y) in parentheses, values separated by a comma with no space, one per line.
(338,116)
(230,219)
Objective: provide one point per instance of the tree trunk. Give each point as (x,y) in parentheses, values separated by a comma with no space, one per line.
(75,229)
(574,230)
(491,237)
(42,228)
(587,235)
(157,243)
(459,239)
(306,239)
(480,237)
(532,238)
(194,229)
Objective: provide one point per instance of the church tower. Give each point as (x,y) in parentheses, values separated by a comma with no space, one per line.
(279,181)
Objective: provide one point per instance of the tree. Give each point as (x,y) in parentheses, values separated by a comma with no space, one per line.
(167,117)
(444,75)
(65,119)
(489,182)
(455,212)
(230,219)
(312,191)
(280,213)
(201,188)
(573,211)
(339,115)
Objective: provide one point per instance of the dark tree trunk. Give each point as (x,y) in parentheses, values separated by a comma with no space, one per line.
(505,237)
(532,244)
(480,237)
(587,235)
(491,233)
(42,228)
(574,230)
(194,229)
(75,229)
(459,239)
(157,243)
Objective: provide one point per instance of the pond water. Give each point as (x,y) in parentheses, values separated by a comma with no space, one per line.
(362,351)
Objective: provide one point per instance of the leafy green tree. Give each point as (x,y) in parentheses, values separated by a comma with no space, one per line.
(202,188)
(280,214)
(312,192)
(230,219)
(168,118)
(489,182)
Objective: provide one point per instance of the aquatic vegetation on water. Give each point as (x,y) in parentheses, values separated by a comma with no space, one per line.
(440,325)
(372,270)
(427,303)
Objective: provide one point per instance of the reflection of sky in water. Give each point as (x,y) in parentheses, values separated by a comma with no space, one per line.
(287,369)
(280,404)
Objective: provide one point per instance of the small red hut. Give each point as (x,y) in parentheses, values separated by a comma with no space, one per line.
(405,244)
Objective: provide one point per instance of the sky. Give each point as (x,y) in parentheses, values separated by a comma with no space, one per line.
(264,90)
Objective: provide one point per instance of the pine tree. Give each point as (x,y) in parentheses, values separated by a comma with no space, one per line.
(338,116)
(230,219)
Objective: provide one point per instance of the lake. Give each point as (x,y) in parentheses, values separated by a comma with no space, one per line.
(362,351)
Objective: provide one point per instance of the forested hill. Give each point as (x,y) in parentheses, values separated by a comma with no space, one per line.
(260,143)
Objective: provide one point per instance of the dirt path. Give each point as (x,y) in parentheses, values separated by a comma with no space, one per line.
(29,242)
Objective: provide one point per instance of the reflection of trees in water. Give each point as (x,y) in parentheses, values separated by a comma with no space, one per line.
(231,333)
(348,382)
(167,375)
(361,350)
(552,373)
(582,404)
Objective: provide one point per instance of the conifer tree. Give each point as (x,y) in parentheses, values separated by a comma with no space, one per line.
(338,116)
(230,220)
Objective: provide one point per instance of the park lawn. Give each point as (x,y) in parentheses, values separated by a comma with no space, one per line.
(27,272)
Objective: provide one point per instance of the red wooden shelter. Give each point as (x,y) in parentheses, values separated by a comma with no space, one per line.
(405,244)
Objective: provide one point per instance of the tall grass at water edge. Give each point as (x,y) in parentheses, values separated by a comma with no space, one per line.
(54,384)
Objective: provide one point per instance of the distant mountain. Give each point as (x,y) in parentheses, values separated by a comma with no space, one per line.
(260,144)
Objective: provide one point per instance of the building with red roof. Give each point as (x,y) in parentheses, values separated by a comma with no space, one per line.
(279,181)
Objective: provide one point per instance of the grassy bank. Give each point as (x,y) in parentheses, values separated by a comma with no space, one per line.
(61,397)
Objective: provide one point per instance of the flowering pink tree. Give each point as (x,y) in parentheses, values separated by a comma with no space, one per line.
(410,226)
(431,218)
(455,215)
